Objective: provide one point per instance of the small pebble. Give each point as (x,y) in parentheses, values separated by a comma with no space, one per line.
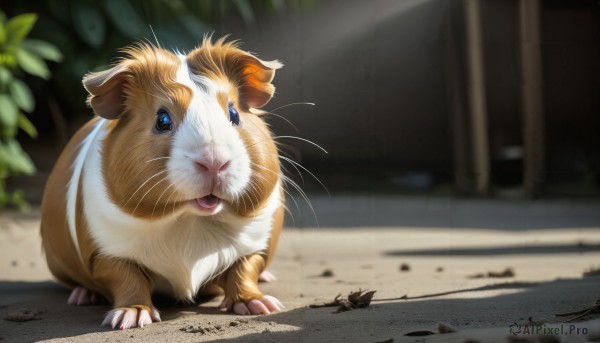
(327,273)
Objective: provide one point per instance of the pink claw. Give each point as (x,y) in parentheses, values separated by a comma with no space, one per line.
(266,276)
(131,317)
(81,297)
(266,305)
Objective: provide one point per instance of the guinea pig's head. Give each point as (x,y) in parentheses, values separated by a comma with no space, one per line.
(183,131)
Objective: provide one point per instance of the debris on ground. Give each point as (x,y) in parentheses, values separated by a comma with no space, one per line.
(439,269)
(445,328)
(327,273)
(404,267)
(203,330)
(359,299)
(419,333)
(508,272)
(592,272)
(581,313)
(24,315)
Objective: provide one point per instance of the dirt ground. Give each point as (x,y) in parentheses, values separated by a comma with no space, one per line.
(444,272)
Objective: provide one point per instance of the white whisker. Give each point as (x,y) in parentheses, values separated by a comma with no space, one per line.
(304,140)
(148,191)
(294,103)
(143,184)
(306,170)
(159,158)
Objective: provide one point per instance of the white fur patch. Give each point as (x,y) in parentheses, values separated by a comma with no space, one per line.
(206,131)
(73,187)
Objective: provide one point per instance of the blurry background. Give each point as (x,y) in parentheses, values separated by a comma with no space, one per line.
(492,98)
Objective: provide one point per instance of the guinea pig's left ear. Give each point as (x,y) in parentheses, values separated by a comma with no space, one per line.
(254,80)
(106,91)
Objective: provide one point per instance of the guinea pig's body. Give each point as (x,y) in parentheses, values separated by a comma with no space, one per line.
(174,188)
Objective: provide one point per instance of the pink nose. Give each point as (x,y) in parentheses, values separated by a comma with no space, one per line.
(213,166)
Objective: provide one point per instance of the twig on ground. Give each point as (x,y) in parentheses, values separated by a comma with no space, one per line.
(359,299)
(581,313)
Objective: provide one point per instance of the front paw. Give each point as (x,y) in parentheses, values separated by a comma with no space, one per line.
(131,317)
(265,305)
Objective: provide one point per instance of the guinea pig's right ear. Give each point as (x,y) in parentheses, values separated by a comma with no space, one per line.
(106,91)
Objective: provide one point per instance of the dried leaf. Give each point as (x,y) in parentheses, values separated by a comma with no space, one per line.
(365,299)
(345,306)
(354,297)
(358,299)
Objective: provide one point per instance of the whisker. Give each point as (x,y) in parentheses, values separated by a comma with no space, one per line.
(304,140)
(159,158)
(161,195)
(305,197)
(294,103)
(143,184)
(306,170)
(169,198)
(148,191)
(285,181)
(285,119)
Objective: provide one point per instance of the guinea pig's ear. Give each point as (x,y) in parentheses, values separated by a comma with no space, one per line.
(254,80)
(106,91)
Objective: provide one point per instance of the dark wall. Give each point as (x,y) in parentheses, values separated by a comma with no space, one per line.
(571,56)
(376,71)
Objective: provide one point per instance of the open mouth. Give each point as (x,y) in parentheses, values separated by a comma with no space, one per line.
(209,202)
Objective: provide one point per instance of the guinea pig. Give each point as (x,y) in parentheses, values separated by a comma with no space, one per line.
(174,187)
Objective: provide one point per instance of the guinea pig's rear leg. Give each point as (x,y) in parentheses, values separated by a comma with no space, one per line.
(240,284)
(82,296)
(130,290)
(266,276)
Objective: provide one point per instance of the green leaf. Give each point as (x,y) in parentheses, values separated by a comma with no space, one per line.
(9,112)
(2,33)
(27,126)
(18,199)
(21,95)
(88,23)
(125,17)
(5,76)
(43,49)
(32,64)
(7,59)
(15,159)
(18,27)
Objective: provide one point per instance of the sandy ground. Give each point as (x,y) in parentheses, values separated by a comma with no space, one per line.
(548,262)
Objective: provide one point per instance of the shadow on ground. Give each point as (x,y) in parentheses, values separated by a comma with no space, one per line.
(502,250)
(499,306)
(383,321)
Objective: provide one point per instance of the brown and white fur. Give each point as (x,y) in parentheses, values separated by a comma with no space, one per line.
(125,211)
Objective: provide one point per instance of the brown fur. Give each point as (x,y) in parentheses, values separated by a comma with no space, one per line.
(129,94)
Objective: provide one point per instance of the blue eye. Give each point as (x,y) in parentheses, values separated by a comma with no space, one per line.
(163,121)
(234,116)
